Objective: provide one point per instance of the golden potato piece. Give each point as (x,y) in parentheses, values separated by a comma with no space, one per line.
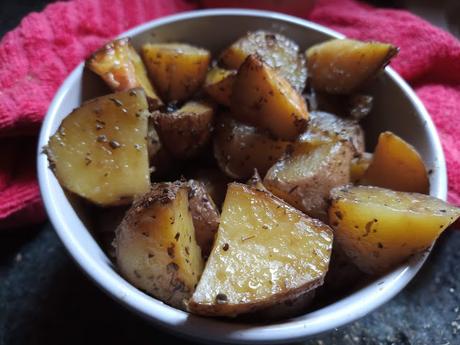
(219,85)
(121,67)
(277,51)
(177,70)
(156,247)
(285,253)
(205,215)
(396,165)
(239,148)
(359,166)
(305,176)
(325,125)
(187,130)
(100,150)
(263,98)
(342,66)
(378,228)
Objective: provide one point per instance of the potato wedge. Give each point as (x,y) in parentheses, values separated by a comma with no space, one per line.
(305,176)
(277,51)
(265,99)
(285,253)
(378,228)
(325,125)
(186,131)
(156,247)
(177,70)
(219,85)
(205,215)
(121,67)
(359,166)
(239,148)
(396,165)
(342,66)
(100,150)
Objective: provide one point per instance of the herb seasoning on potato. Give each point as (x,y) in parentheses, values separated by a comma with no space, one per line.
(189,232)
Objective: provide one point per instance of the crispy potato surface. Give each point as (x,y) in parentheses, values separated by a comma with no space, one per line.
(378,228)
(99,151)
(285,253)
(156,247)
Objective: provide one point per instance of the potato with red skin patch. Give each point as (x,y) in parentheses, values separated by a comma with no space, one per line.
(121,67)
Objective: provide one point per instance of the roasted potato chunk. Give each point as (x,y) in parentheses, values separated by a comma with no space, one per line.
(396,165)
(378,228)
(263,98)
(177,70)
(219,85)
(156,247)
(324,125)
(205,215)
(186,131)
(342,66)
(121,67)
(277,51)
(100,150)
(239,148)
(285,253)
(305,176)
(359,166)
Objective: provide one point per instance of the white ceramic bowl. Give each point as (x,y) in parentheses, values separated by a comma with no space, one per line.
(396,108)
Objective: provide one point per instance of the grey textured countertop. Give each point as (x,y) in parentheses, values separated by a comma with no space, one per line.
(46,299)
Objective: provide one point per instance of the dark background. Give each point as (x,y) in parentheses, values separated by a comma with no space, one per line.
(46,299)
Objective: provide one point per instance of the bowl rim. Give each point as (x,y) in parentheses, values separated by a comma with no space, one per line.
(319,321)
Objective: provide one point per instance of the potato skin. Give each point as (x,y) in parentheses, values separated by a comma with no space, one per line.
(378,228)
(266,100)
(256,181)
(215,182)
(239,148)
(121,67)
(276,50)
(99,151)
(266,232)
(205,215)
(186,131)
(219,85)
(177,70)
(342,66)
(324,125)
(396,165)
(306,174)
(156,247)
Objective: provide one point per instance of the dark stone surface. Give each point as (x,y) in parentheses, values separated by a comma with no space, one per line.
(46,299)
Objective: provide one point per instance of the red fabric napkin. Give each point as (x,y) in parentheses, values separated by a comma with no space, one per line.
(37,56)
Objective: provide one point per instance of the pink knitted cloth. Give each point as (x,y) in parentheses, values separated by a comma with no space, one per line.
(36,57)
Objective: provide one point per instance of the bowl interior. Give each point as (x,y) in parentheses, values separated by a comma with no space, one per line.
(396,109)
